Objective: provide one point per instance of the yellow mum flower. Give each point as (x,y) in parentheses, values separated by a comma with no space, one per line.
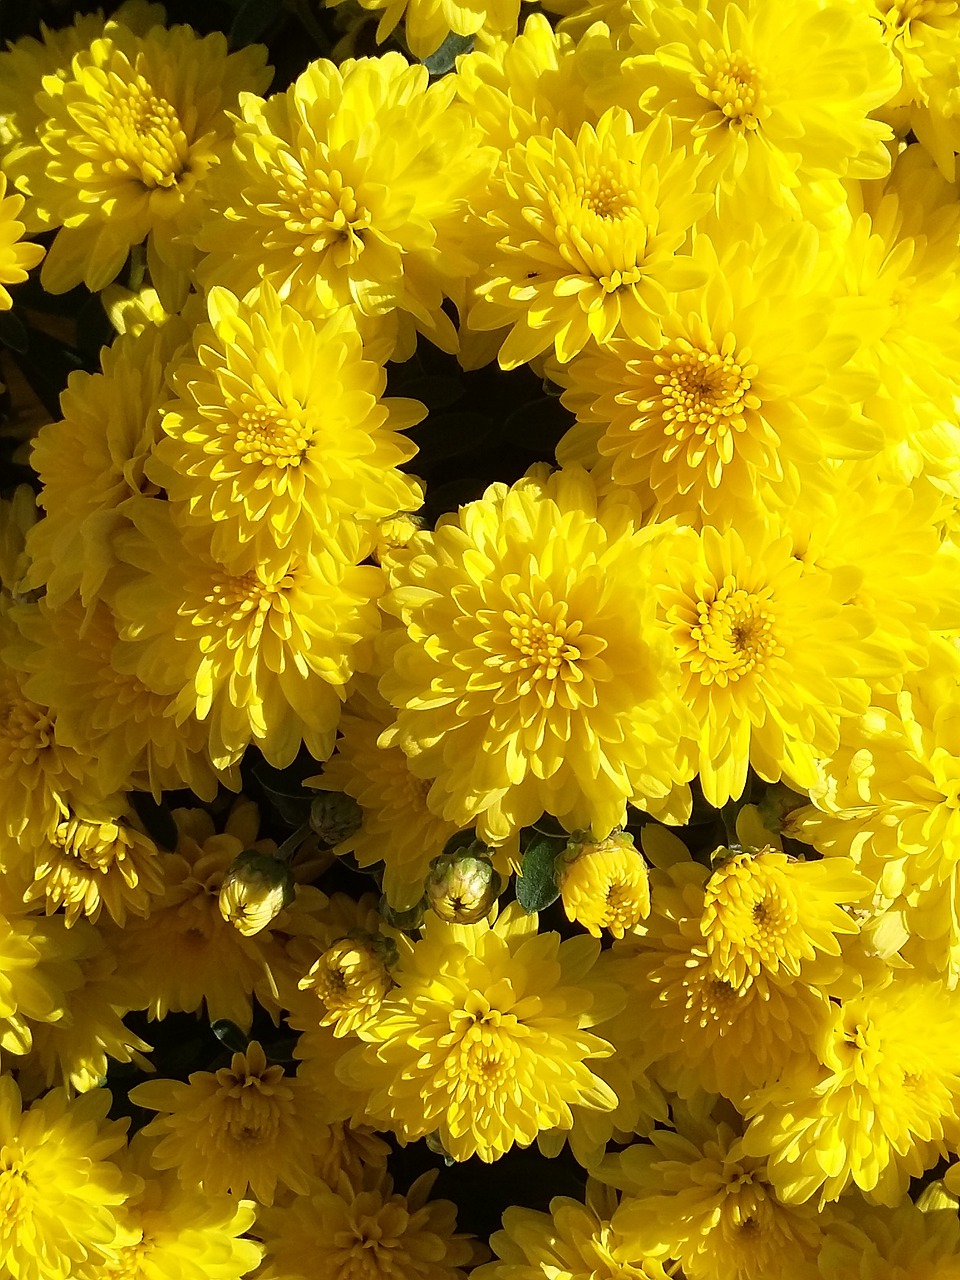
(427,23)
(603,252)
(331,195)
(16,257)
(535,678)
(60,1189)
(483,1039)
(772,655)
(246,1125)
(577,1241)
(695,1195)
(397,827)
(18,514)
(279,433)
(365,1231)
(766,913)
(604,884)
(260,656)
(878,1107)
(174,1233)
(124,149)
(716,416)
(770,123)
(909,1242)
(351,980)
(96,861)
(347,1149)
(91,462)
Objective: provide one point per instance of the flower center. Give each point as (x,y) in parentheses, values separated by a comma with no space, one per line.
(14,1189)
(898,14)
(147,137)
(25,728)
(704,393)
(237,598)
(734,635)
(732,84)
(130,1262)
(600,226)
(603,195)
(543,646)
(749,919)
(327,213)
(98,845)
(483,1047)
(270,437)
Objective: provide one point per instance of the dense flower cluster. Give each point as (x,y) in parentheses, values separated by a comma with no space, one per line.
(647,739)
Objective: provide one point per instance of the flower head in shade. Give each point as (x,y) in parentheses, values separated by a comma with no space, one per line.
(483,1040)
(589,229)
(366,1230)
(17,256)
(534,677)
(914,1241)
(278,433)
(123,152)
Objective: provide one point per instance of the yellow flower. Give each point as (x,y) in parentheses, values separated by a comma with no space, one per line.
(576,1241)
(427,23)
(771,124)
(766,913)
(18,514)
(604,884)
(16,256)
(260,656)
(279,433)
(124,149)
(878,1107)
(483,1039)
(397,826)
(462,886)
(174,1233)
(772,655)
(717,415)
(96,860)
(588,247)
(60,1189)
(91,462)
(909,1242)
(365,1231)
(351,980)
(535,677)
(695,1195)
(331,195)
(255,889)
(246,1125)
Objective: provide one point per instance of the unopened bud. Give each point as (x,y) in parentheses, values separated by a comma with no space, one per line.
(604,884)
(461,887)
(255,889)
(351,978)
(335,816)
(396,531)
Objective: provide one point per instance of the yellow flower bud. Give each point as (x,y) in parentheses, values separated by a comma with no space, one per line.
(461,887)
(604,884)
(255,889)
(396,531)
(351,979)
(334,816)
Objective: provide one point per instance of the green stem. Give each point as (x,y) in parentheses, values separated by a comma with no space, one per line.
(292,843)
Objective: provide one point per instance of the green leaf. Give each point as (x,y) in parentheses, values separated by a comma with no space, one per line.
(157,819)
(444,60)
(229,1034)
(537,882)
(251,21)
(286,794)
(12,332)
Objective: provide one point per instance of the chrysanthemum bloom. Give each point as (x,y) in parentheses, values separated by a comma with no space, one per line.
(702,1031)
(348,190)
(697,1196)
(246,1125)
(60,1189)
(483,1040)
(909,1242)
(772,125)
(878,1107)
(366,1231)
(342,1148)
(259,656)
(255,889)
(427,23)
(16,255)
(76,1049)
(103,707)
(350,980)
(747,393)
(590,229)
(220,967)
(124,150)
(18,514)
(767,913)
(279,432)
(91,462)
(397,827)
(925,40)
(604,884)
(173,1233)
(95,861)
(890,797)
(535,677)
(899,265)
(772,655)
